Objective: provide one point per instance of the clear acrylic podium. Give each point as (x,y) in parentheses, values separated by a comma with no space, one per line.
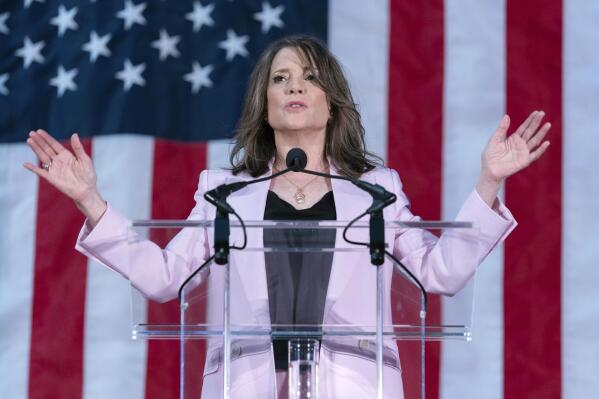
(371,341)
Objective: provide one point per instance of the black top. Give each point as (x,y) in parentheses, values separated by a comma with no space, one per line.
(297,281)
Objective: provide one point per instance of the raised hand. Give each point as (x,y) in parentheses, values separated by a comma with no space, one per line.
(71,173)
(503,156)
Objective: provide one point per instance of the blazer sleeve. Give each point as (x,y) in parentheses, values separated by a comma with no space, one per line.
(154,271)
(445,264)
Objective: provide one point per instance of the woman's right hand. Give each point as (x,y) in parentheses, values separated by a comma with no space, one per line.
(72,174)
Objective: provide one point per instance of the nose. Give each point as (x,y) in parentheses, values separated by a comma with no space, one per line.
(296,86)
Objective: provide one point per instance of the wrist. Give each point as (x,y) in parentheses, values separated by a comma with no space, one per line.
(488,188)
(93,206)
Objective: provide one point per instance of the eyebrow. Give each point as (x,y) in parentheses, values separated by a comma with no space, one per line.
(287,70)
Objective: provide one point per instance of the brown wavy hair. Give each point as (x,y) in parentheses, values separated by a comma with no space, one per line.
(254,144)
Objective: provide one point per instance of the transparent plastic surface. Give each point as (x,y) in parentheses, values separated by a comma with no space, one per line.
(224,317)
(455,324)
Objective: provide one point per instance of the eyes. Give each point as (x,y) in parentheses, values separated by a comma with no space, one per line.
(283,77)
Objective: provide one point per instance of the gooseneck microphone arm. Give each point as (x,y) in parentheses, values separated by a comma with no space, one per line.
(381,198)
(218,198)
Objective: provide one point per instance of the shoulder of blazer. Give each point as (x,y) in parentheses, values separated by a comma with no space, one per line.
(216,177)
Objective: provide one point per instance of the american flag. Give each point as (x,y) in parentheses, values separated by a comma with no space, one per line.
(156,87)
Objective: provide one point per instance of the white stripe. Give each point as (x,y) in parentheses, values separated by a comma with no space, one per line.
(18,207)
(474,99)
(218,154)
(580,241)
(359,37)
(114,364)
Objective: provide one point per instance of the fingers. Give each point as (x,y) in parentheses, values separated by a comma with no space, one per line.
(37,170)
(525,124)
(533,126)
(50,141)
(78,147)
(536,154)
(504,125)
(539,136)
(39,150)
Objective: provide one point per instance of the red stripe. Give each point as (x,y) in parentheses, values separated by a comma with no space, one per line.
(415,127)
(56,355)
(532,293)
(176,170)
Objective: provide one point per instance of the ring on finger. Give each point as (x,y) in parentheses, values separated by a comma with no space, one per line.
(46,166)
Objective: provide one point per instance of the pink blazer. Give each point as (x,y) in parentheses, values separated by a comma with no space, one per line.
(347,369)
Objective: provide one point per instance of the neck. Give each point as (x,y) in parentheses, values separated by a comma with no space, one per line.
(312,143)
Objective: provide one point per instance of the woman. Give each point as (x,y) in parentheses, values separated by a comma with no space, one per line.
(298,97)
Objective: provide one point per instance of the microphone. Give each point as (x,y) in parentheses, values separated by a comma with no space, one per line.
(218,197)
(297,160)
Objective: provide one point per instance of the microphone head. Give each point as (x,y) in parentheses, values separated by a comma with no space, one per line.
(296,159)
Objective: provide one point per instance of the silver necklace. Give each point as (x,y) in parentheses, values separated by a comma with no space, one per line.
(300,195)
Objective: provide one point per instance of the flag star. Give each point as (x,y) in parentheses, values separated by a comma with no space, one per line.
(3,27)
(97,46)
(65,19)
(132,14)
(31,52)
(167,45)
(3,80)
(63,81)
(200,15)
(131,75)
(234,45)
(29,2)
(270,16)
(199,77)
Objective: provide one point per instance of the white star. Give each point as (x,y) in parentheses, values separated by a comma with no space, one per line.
(199,76)
(65,19)
(3,80)
(234,45)
(131,75)
(132,14)
(97,46)
(167,45)
(200,15)
(270,17)
(29,2)
(31,52)
(63,81)
(3,18)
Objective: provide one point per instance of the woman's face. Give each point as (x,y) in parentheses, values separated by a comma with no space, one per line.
(295,102)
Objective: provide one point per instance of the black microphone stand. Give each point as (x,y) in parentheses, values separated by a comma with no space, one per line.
(381,199)
(222,227)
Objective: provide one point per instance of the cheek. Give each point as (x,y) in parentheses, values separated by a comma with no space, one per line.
(322,109)
(272,101)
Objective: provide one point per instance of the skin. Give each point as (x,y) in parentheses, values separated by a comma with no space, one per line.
(73,173)
(303,125)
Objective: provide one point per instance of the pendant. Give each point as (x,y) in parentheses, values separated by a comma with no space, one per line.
(299,196)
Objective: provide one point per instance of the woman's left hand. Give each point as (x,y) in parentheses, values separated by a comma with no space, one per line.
(503,156)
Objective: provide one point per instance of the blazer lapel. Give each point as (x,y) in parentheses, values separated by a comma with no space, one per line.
(350,201)
(249,272)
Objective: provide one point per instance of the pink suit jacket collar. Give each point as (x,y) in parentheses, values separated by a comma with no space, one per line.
(250,203)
